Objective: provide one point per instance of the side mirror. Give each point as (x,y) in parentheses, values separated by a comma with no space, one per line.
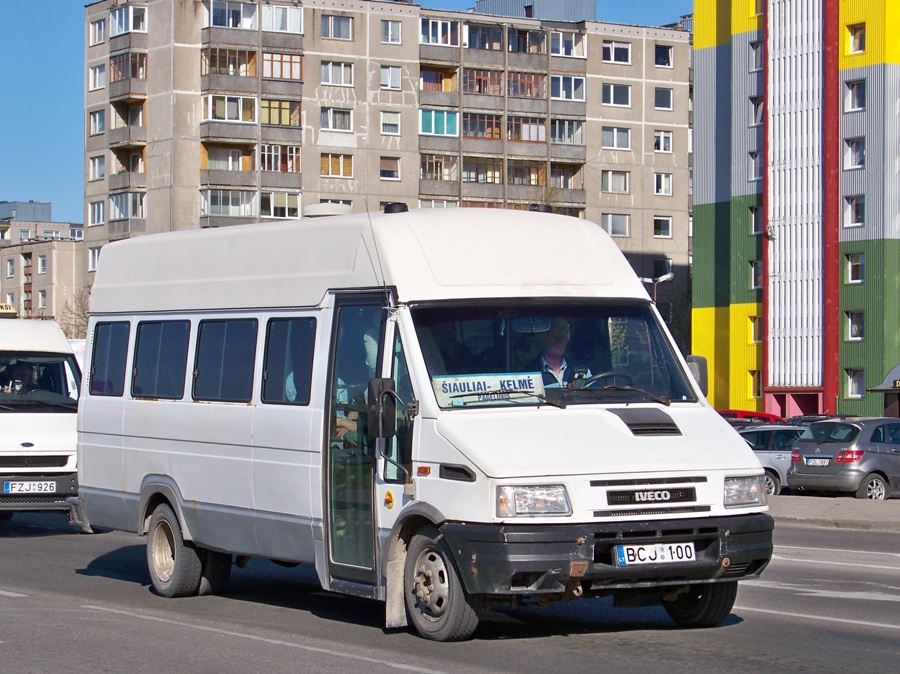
(382,408)
(699,370)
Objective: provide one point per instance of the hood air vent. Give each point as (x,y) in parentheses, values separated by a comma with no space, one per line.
(647,421)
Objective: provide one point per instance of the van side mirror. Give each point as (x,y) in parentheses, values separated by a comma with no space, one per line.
(699,370)
(382,408)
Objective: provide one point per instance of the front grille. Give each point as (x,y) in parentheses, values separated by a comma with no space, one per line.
(635,496)
(32,461)
(640,512)
(639,482)
(31,499)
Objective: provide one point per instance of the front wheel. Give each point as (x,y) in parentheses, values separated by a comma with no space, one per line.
(175,567)
(702,605)
(873,487)
(437,604)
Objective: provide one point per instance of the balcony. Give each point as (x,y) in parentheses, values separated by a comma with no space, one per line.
(233,84)
(576,153)
(277,180)
(229,179)
(438,98)
(128,136)
(439,188)
(125,180)
(128,42)
(123,229)
(128,90)
(228,132)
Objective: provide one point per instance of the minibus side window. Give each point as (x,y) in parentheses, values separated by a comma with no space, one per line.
(287,372)
(160,359)
(226,351)
(108,359)
(400,446)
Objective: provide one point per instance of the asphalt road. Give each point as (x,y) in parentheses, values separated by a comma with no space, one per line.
(82,603)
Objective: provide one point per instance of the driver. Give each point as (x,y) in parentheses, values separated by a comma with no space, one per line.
(552,363)
(21,372)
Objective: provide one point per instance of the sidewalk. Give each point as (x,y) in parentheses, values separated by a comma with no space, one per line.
(837,513)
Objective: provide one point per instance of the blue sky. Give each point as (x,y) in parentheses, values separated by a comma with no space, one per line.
(42,83)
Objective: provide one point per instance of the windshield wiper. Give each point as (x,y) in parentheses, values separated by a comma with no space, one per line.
(662,400)
(509,391)
(59,403)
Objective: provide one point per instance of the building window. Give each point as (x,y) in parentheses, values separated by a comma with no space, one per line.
(662,226)
(756,275)
(337,74)
(662,141)
(483,37)
(98,122)
(616,52)
(616,224)
(663,55)
(279,205)
(93,258)
(854,153)
(224,159)
(527,129)
(438,167)
(523,41)
(282,19)
(42,299)
(856,268)
(336,165)
(127,19)
(337,27)
(664,98)
(662,184)
(567,131)
(389,168)
(565,176)
(98,168)
(566,88)
(482,125)
(756,56)
(390,123)
(436,31)
(98,32)
(279,113)
(854,211)
(485,170)
(756,166)
(856,383)
(526,85)
(10,268)
(230,14)
(615,182)
(755,384)
(126,205)
(336,119)
(854,95)
(855,326)
(95,213)
(11,299)
(390,31)
(616,138)
(856,38)
(756,110)
(282,66)
(97,77)
(519,172)
(390,77)
(756,223)
(755,330)
(438,203)
(220,108)
(617,94)
(128,66)
(438,123)
(76,234)
(235,62)
(477,81)
(231,203)
(566,43)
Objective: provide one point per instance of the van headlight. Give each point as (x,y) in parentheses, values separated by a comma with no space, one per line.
(545,499)
(742,492)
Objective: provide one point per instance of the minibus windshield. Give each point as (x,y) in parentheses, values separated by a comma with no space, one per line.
(527,353)
(38,382)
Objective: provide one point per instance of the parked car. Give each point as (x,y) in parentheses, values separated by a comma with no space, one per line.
(857,455)
(772,446)
(743,417)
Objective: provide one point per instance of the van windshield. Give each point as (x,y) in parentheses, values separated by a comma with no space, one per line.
(520,353)
(38,382)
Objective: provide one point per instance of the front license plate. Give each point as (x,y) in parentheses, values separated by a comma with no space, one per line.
(657,553)
(43,487)
(817,462)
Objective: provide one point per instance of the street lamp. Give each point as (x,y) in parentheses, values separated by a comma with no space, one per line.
(656,281)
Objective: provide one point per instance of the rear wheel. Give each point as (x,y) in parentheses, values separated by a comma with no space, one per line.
(703,605)
(215,572)
(174,565)
(873,487)
(436,601)
(773,484)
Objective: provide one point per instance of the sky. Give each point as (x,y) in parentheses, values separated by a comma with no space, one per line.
(42,89)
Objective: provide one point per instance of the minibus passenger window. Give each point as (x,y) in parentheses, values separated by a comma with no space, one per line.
(108,359)
(287,373)
(160,359)
(226,351)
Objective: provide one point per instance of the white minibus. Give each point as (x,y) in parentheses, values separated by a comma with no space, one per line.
(448,411)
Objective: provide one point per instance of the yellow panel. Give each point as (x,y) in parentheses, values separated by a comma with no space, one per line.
(715,21)
(881,21)
(744,18)
(745,357)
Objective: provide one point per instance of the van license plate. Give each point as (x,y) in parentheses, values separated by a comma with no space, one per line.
(817,462)
(44,487)
(657,553)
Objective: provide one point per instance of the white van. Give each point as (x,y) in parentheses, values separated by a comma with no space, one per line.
(366,393)
(39,384)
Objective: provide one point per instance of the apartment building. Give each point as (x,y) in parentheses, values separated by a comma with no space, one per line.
(797,218)
(213,113)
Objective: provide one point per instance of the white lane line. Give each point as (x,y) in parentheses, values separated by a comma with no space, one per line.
(276,642)
(804,560)
(859,623)
(849,552)
(7,593)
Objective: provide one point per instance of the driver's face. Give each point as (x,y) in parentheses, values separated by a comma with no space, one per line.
(556,339)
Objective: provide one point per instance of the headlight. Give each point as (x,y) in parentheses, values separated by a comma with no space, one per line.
(741,492)
(548,499)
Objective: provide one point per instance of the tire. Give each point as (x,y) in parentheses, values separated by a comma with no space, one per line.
(437,604)
(773,484)
(873,487)
(174,565)
(215,572)
(703,605)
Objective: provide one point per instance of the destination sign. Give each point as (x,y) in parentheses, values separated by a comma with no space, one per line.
(485,389)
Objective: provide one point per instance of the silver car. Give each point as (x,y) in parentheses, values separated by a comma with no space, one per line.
(859,455)
(772,446)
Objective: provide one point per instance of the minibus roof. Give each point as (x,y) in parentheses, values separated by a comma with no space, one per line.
(426,254)
(23,334)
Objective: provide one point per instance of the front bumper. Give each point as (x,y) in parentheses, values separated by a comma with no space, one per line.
(507,559)
(66,486)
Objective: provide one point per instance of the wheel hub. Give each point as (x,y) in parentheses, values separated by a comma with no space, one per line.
(430,583)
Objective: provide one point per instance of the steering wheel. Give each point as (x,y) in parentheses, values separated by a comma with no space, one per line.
(612,374)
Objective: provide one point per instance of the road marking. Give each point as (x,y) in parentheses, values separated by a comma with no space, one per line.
(860,623)
(829,594)
(6,593)
(276,642)
(851,552)
(804,560)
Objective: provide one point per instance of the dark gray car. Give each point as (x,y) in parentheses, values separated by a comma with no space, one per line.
(860,455)
(772,446)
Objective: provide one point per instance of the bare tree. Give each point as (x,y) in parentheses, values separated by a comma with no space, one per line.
(74,316)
